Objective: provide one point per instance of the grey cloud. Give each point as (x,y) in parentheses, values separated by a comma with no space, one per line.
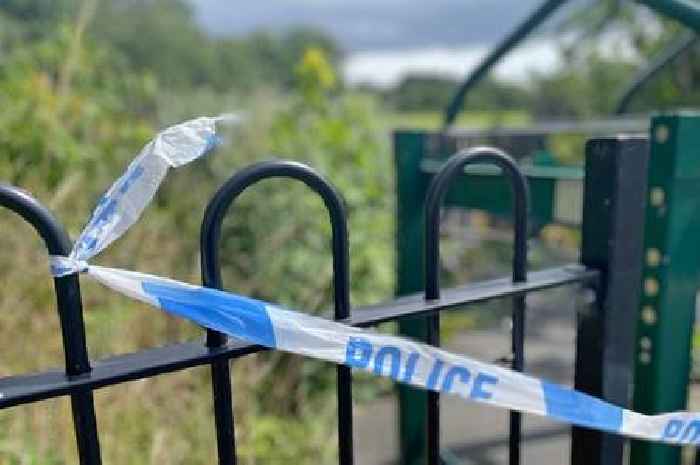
(373,24)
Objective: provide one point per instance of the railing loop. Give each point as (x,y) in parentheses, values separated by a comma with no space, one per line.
(211,270)
(70,312)
(435,197)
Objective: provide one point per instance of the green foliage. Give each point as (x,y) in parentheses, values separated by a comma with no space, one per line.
(45,11)
(473,119)
(315,77)
(64,110)
(421,93)
(338,136)
(31,19)
(161,37)
(79,100)
(590,84)
(587,87)
(429,93)
(277,55)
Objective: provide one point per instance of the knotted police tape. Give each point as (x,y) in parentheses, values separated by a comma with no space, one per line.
(259,322)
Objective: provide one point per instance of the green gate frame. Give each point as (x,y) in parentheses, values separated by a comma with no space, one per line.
(671,276)
(671,268)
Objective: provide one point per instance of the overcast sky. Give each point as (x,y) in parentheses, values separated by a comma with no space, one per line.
(388,39)
(361,25)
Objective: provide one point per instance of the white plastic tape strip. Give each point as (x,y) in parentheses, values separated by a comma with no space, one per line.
(262,323)
(122,205)
(401,359)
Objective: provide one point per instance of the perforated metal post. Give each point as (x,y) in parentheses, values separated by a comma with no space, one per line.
(671,276)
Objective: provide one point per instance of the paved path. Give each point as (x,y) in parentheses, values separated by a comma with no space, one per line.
(478,434)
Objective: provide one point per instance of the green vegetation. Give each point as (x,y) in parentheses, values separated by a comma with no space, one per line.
(417,93)
(469,119)
(607,42)
(81,94)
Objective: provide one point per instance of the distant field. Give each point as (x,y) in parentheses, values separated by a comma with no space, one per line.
(433,120)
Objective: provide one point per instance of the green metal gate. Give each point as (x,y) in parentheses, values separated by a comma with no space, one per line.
(671,254)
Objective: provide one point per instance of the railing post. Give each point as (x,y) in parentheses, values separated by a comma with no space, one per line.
(671,277)
(453,168)
(211,272)
(70,313)
(70,310)
(612,234)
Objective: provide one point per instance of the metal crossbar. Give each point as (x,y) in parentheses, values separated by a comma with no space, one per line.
(23,389)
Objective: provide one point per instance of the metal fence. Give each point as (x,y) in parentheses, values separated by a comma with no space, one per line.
(610,265)
(614,187)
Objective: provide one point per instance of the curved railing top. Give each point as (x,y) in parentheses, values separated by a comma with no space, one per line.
(239,182)
(544,11)
(685,12)
(435,198)
(683,44)
(70,308)
(211,268)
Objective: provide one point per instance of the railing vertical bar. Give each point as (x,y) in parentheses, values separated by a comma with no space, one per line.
(341,290)
(434,400)
(70,310)
(223,411)
(432,292)
(220,369)
(519,269)
(518,364)
(434,200)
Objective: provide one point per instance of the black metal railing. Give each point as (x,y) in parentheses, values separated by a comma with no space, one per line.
(81,378)
(70,313)
(453,168)
(211,277)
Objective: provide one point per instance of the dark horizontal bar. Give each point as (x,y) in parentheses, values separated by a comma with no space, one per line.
(592,127)
(573,173)
(22,389)
(415,305)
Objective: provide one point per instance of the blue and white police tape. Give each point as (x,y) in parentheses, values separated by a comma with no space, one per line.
(122,205)
(258,322)
(401,359)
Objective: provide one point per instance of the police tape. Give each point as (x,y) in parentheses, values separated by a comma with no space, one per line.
(258,322)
